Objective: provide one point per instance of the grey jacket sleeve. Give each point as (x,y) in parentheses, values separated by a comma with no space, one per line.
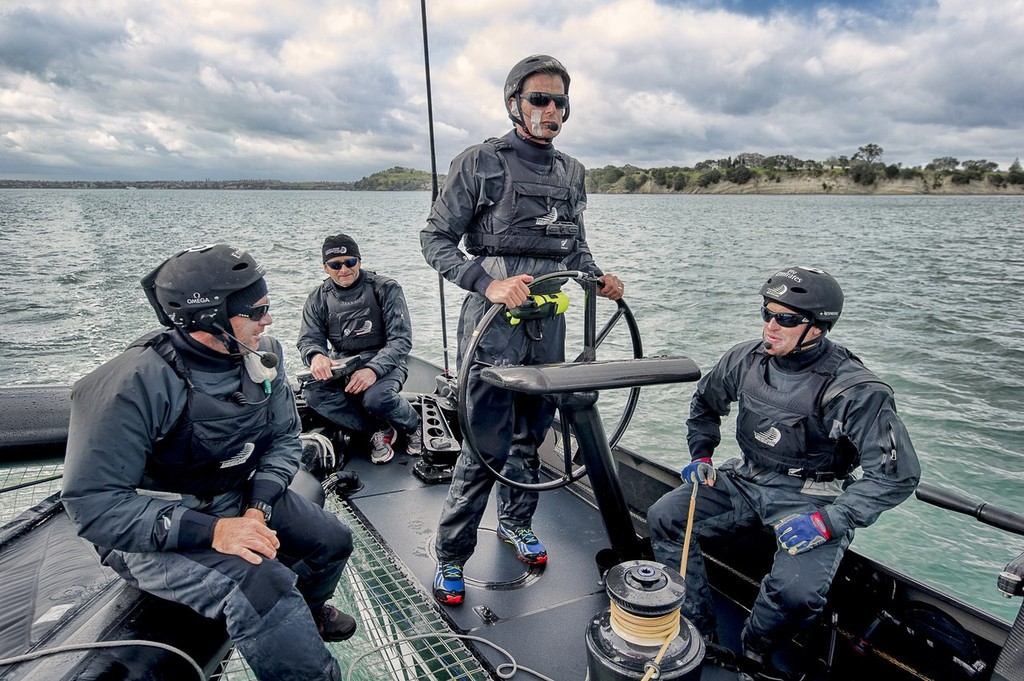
(397,327)
(866,416)
(474,182)
(117,412)
(313,328)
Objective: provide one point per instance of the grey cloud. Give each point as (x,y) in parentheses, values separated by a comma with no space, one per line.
(47,44)
(149,90)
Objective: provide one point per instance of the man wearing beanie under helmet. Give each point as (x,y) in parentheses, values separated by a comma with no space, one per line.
(517,206)
(358,313)
(181,452)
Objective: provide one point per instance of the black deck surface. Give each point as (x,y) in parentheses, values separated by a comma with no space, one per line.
(540,615)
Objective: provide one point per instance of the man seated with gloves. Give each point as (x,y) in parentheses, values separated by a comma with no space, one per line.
(809,414)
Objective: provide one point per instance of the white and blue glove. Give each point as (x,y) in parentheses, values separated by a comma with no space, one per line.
(802,532)
(699,471)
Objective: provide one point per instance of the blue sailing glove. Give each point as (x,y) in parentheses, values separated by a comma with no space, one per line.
(699,471)
(802,532)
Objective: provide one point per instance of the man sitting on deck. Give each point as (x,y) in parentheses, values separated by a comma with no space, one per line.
(809,414)
(356,312)
(180,453)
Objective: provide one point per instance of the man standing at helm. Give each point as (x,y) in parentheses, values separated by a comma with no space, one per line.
(809,414)
(516,204)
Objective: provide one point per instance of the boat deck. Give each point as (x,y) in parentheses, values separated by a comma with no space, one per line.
(539,615)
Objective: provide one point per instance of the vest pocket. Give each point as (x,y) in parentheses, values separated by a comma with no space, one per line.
(772,436)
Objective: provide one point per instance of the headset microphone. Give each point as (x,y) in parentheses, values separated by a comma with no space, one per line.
(267,359)
(553,127)
(767,345)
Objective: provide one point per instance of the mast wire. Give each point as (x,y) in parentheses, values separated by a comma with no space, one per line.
(433,176)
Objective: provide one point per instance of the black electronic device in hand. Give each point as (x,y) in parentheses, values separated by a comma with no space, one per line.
(341,371)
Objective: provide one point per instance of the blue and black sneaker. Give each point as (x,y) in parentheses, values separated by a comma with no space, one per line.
(528,547)
(449,587)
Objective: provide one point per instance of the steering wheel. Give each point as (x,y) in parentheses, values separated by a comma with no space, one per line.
(591,341)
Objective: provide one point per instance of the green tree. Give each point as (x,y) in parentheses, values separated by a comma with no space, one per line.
(869,153)
(946,164)
(751,160)
(863,173)
(709,177)
(738,174)
(981,166)
(1016,174)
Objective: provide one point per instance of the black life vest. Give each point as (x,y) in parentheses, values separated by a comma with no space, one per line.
(217,443)
(536,213)
(785,430)
(355,317)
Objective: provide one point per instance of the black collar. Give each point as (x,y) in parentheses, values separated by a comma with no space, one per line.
(199,357)
(532,152)
(798,361)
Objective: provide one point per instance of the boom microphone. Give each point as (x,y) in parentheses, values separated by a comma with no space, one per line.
(267,359)
(552,126)
(767,345)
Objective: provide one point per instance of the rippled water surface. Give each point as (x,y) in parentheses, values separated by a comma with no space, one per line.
(934,290)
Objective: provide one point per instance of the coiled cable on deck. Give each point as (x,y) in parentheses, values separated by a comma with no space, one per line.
(36,654)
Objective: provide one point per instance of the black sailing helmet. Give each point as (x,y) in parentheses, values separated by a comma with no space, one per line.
(190,290)
(810,290)
(537,63)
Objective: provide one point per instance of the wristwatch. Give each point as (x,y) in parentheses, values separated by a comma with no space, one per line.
(263,506)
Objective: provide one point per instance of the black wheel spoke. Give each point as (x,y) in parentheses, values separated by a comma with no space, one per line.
(571,472)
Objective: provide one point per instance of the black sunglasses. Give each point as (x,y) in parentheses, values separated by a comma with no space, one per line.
(347,262)
(542,99)
(256,312)
(786,319)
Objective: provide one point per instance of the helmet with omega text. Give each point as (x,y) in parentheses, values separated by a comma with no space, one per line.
(200,288)
(537,63)
(810,290)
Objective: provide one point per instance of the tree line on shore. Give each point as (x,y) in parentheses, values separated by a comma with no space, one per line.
(865,168)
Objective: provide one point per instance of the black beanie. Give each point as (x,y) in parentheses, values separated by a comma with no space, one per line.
(242,300)
(338,245)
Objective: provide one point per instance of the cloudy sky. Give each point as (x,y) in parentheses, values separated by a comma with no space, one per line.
(334,89)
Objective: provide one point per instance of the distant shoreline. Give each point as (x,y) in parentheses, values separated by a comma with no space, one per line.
(798,182)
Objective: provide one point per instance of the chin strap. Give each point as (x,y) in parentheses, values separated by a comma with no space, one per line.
(802,346)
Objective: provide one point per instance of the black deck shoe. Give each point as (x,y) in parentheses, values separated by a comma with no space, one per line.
(334,625)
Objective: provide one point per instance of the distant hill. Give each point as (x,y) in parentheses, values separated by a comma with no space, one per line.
(396,179)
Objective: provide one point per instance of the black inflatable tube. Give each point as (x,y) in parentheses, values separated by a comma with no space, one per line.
(983,511)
